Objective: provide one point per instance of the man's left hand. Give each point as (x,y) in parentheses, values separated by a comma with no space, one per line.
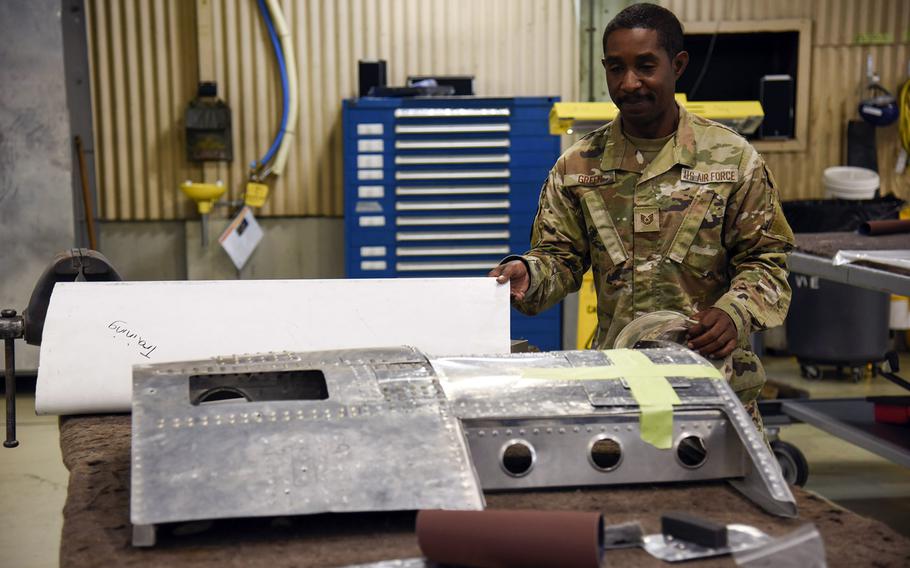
(714,335)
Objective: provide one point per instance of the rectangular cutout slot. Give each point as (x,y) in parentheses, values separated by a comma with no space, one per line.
(258,387)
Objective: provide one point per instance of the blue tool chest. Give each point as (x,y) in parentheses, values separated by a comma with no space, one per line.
(446,186)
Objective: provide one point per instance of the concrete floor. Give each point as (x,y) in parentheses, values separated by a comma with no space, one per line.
(846,474)
(33,479)
(32,490)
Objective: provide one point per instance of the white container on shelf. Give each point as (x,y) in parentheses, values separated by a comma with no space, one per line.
(848,182)
(900,312)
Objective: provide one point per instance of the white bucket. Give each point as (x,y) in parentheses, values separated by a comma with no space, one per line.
(900,312)
(848,182)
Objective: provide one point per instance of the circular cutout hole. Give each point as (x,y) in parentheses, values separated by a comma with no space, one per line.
(606,453)
(222,394)
(692,452)
(518,458)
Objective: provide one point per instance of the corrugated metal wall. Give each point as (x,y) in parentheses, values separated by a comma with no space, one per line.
(144,72)
(838,65)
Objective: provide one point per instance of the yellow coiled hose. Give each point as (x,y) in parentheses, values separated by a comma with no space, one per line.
(903,104)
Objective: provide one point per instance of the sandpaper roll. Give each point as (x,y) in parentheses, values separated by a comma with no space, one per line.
(885,227)
(511,538)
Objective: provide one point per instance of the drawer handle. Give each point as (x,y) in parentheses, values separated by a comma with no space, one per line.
(441,266)
(450,205)
(466,159)
(476,220)
(452,174)
(450,128)
(452,190)
(449,112)
(451,236)
(450,251)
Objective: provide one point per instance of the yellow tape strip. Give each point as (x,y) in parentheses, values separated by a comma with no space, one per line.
(654,395)
(648,383)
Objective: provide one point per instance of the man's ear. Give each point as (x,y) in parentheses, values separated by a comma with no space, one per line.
(679,63)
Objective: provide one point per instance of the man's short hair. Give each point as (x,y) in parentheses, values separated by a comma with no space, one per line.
(650,17)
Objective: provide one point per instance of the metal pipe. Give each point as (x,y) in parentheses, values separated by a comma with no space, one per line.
(204,228)
(592,76)
(86,196)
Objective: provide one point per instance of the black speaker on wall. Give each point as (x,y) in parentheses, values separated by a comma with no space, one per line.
(371,73)
(776,96)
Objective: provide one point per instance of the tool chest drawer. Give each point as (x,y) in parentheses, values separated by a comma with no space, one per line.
(446,186)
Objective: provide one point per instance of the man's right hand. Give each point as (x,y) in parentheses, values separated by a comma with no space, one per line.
(516,274)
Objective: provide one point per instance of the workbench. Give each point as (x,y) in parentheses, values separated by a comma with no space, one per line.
(815,252)
(849,419)
(97,530)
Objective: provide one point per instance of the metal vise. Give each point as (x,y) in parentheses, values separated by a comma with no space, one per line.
(67,266)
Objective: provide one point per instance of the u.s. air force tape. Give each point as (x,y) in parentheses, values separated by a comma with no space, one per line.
(648,383)
(725,175)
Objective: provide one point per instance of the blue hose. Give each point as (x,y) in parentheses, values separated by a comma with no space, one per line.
(282,67)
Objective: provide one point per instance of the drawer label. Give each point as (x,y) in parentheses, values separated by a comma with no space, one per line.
(369,174)
(369,160)
(370,192)
(373,265)
(371,221)
(369,129)
(370,145)
(372,251)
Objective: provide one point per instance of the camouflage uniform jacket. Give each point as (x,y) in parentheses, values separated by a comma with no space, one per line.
(699,226)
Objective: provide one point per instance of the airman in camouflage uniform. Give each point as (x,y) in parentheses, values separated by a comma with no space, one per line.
(699,226)
(695,229)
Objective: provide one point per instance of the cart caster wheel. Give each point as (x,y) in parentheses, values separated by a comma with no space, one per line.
(793,464)
(811,372)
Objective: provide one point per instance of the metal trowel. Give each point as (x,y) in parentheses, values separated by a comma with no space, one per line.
(685,537)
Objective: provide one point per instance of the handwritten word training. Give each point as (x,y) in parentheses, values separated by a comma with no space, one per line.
(120,328)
